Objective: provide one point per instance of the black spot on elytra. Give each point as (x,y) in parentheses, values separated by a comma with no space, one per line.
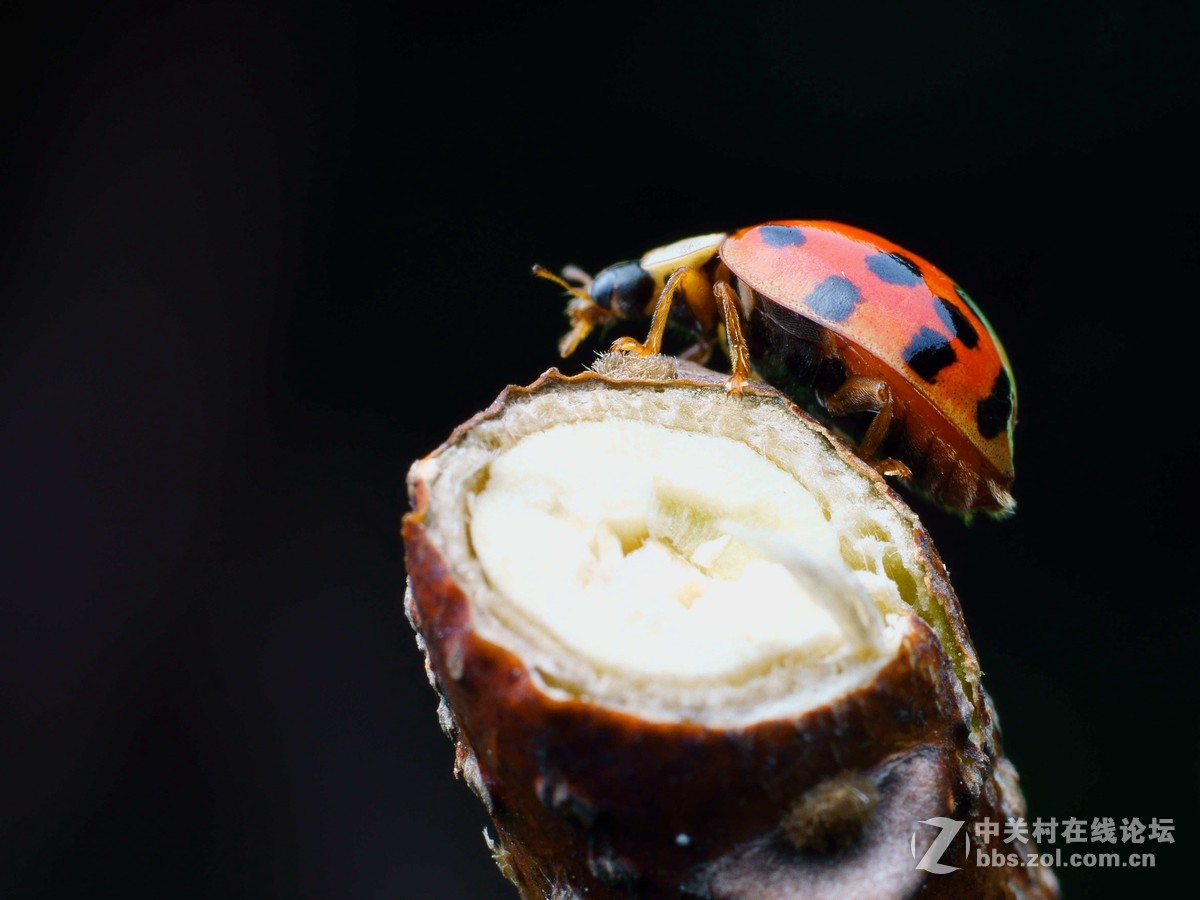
(894,268)
(782,236)
(993,411)
(959,324)
(928,353)
(834,298)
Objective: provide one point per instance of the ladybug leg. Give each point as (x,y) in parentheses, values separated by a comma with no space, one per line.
(585,315)
(860,393)
(584,312)
(658,325)
(739,353)
(574,273)
(686,280)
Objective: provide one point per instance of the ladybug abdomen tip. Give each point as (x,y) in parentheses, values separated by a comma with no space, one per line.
(952,470)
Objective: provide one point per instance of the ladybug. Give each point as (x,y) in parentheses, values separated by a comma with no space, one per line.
(833,314)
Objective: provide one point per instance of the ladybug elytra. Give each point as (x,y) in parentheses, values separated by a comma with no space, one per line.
(838,314)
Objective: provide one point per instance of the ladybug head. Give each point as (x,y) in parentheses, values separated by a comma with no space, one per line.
(622,291)
(625,288)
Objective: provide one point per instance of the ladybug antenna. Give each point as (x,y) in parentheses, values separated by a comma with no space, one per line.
(584,312)
(579,290)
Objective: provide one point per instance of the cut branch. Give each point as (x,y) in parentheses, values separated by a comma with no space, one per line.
(688,644)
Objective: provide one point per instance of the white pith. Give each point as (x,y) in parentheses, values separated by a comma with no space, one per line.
(707,561)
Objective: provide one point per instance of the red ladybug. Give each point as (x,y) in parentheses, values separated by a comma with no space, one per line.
(836,313)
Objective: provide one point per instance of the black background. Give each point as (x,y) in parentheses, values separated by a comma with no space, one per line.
(255,260)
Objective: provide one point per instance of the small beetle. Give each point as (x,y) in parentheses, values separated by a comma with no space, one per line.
(841,315)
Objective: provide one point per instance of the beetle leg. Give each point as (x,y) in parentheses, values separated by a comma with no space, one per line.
(585,315)
(695,288)
(861,393)
(658,325)
(584,312)
(739,353)
(572,272)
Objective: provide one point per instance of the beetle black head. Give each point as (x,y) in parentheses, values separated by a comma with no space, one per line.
(625,288)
